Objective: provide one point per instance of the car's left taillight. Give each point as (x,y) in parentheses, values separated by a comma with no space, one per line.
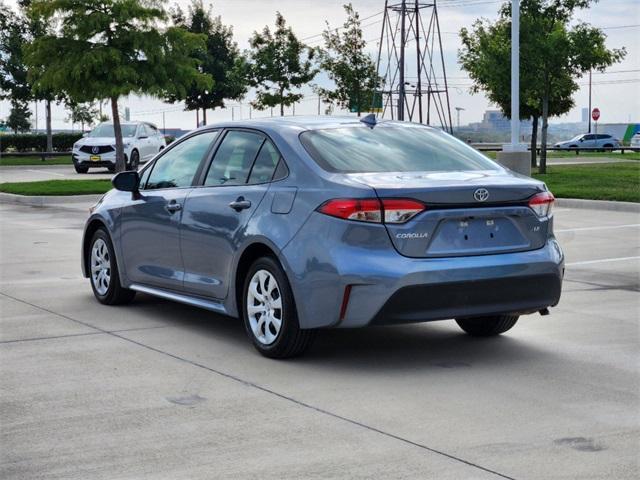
(373,210)
(542,204)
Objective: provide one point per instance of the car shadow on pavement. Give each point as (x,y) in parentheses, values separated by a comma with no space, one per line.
(437,345)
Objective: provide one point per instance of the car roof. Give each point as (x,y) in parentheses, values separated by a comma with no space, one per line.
(301,122)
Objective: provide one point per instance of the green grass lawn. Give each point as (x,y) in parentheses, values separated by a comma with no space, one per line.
(572,155)
(9,160)
(57,187)
(607,181)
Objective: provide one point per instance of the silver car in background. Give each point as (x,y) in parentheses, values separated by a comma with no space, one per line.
(590,140)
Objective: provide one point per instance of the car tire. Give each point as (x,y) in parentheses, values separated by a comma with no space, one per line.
(80,169)
(487,326)
(112,169)
(271,320)
(134,163)
(103,271)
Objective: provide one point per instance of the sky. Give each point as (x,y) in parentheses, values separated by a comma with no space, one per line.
(616,92)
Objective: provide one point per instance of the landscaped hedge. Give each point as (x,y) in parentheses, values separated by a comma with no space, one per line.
(28,142)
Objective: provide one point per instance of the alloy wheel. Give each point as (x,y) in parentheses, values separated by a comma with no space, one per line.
(264,307)
(100,267)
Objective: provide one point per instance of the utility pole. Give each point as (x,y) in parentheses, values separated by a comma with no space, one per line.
(411,44)
(164,126)
(319,104)
(401,89)
(589,112)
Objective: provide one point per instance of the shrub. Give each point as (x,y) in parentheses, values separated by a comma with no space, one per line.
(30,142)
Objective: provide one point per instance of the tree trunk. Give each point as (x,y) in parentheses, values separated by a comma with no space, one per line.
(48,124)
(204,115)
(282,109)
(543,137)
(117,130)
(534,142)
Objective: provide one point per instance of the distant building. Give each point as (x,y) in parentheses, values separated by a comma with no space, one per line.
(495,121)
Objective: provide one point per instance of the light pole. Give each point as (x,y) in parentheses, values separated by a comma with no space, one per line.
(514,155)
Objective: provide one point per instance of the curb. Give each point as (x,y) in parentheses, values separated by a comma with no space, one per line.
(598,205)
(46,200)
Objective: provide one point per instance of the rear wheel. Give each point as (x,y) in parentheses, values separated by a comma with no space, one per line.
(487,326)
(135,161)
(80,169)
(103,271)
(269,312)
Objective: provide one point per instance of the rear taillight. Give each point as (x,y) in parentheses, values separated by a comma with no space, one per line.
(392,210)
(542,204)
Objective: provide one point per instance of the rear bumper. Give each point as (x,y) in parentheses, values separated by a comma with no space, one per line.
(419,303)
(384,287)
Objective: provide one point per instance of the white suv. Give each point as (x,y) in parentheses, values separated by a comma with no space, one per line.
(142,141)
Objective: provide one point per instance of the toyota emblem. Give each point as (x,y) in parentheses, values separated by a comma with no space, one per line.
(95,149)
(481,194)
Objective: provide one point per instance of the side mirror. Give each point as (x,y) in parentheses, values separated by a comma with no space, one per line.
(126,181)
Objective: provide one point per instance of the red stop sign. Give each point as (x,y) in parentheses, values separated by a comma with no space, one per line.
(595,114)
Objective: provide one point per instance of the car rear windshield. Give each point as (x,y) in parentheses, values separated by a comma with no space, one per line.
(391,149)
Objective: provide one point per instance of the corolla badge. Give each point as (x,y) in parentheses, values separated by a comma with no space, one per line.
(412,235)
(95,149)
(481,194)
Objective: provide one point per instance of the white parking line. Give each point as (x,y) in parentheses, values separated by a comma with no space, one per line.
(47,171)
(585,229)
(602,260)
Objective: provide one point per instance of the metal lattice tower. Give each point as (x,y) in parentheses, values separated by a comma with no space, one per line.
(411,64)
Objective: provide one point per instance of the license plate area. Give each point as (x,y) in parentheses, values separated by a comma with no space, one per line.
(469,235)
(94,158)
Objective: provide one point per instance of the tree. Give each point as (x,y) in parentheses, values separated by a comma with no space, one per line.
(280,63)
(110,48)
(553,55)
(222,60)
(14,83)
(349,66)
(82,113)
(19,117)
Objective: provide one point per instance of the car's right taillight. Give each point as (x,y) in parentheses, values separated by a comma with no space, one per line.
(373,210)
(542,204)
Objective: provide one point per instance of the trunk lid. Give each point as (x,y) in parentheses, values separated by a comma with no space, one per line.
(467,213)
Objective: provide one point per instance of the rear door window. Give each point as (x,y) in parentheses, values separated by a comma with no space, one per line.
(232,162)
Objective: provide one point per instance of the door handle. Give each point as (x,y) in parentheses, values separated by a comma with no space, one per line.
(173,207)
(240,204)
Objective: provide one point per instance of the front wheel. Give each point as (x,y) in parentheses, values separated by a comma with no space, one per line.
(269,312)
(103,271)
(80,169)
(487,326)
(135,161)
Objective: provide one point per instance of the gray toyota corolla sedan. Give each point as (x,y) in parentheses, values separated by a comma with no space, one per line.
(296,224)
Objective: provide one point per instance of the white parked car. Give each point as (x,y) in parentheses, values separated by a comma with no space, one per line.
(635,141)
(142,141)
(590,140)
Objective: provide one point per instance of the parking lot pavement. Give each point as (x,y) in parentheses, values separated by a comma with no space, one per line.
(34,173)
(161,390)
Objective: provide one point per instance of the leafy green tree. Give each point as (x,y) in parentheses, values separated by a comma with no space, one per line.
(110,48)
(14,83)
(222,60)
(553,55)
(279,64)
(348,65)
(82,113)
(19,116)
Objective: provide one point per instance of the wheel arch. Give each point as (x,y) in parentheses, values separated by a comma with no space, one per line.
(92,227)
(250,254)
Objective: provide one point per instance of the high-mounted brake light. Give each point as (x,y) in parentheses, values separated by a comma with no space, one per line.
(542,204)
(392,210)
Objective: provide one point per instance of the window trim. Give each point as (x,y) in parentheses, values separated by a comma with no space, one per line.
(173,145)
(209,161)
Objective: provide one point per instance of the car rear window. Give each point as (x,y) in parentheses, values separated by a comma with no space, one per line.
(360,149)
